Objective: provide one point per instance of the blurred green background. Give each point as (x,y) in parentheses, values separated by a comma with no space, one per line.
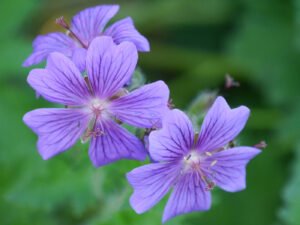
(194,44)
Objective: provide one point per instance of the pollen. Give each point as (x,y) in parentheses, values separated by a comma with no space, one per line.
(208,153)
(213,163)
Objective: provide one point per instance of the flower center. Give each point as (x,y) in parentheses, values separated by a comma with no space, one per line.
(195,162)
(98,107)
(192,160)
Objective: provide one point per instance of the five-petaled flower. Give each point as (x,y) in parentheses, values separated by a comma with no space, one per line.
(95,103)
(192,164)
(85,26)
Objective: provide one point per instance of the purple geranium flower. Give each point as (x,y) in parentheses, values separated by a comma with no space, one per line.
(85,26)
(95,103)
(190,164)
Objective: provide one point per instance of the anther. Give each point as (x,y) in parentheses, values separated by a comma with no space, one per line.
(120,93)
(95,133)
(209,183)
(61,21)
(210,186)
(171,105)
(208,153)
(88,84)
(188,157)
(213,163)
(231,144)
(230,82)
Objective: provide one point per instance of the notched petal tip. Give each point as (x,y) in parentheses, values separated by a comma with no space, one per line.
(143,44)
(125,30)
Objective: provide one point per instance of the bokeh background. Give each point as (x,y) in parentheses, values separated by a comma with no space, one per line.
(194,43)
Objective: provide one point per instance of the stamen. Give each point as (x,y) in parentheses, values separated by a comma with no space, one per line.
(88,84)
(196,136)
(231,144)
(97,132)
(61,21)
(208,153)
(188,157)
(92,133)
(261,145)
(213,163)
(118,121)
(210,186)
(121,92)
(192,163)
(208,182)
(230,82)
(171,105)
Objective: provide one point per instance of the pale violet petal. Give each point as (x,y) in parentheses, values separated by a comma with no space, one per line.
(143,107)
(124,30)
(110,66)
(43,45)
(151,183)
(58,129)
(188,195)
(175,138)
(61,81)
(90,22)
(221,125)
(113,143)
(227,169)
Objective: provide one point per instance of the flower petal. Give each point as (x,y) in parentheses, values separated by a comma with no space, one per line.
(143,107)
(151,183)
(124,30)
(58,129)
(109,66)
(43,45)
(189,195)
(60,82)
(228,170)
(114,143)
(79,58)
(89,23)
(174,139)
(221,125)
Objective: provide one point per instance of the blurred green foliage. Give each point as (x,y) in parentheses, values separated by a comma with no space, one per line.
(194,44)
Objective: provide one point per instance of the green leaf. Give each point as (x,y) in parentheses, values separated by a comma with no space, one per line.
(199,106)
(289,213)
(138,79)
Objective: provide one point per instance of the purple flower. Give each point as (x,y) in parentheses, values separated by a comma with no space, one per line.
(95,103)
(190,164)
(85,26)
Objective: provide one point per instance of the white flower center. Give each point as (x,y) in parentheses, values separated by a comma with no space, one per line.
(192,164)
(192,161)
(99,107)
